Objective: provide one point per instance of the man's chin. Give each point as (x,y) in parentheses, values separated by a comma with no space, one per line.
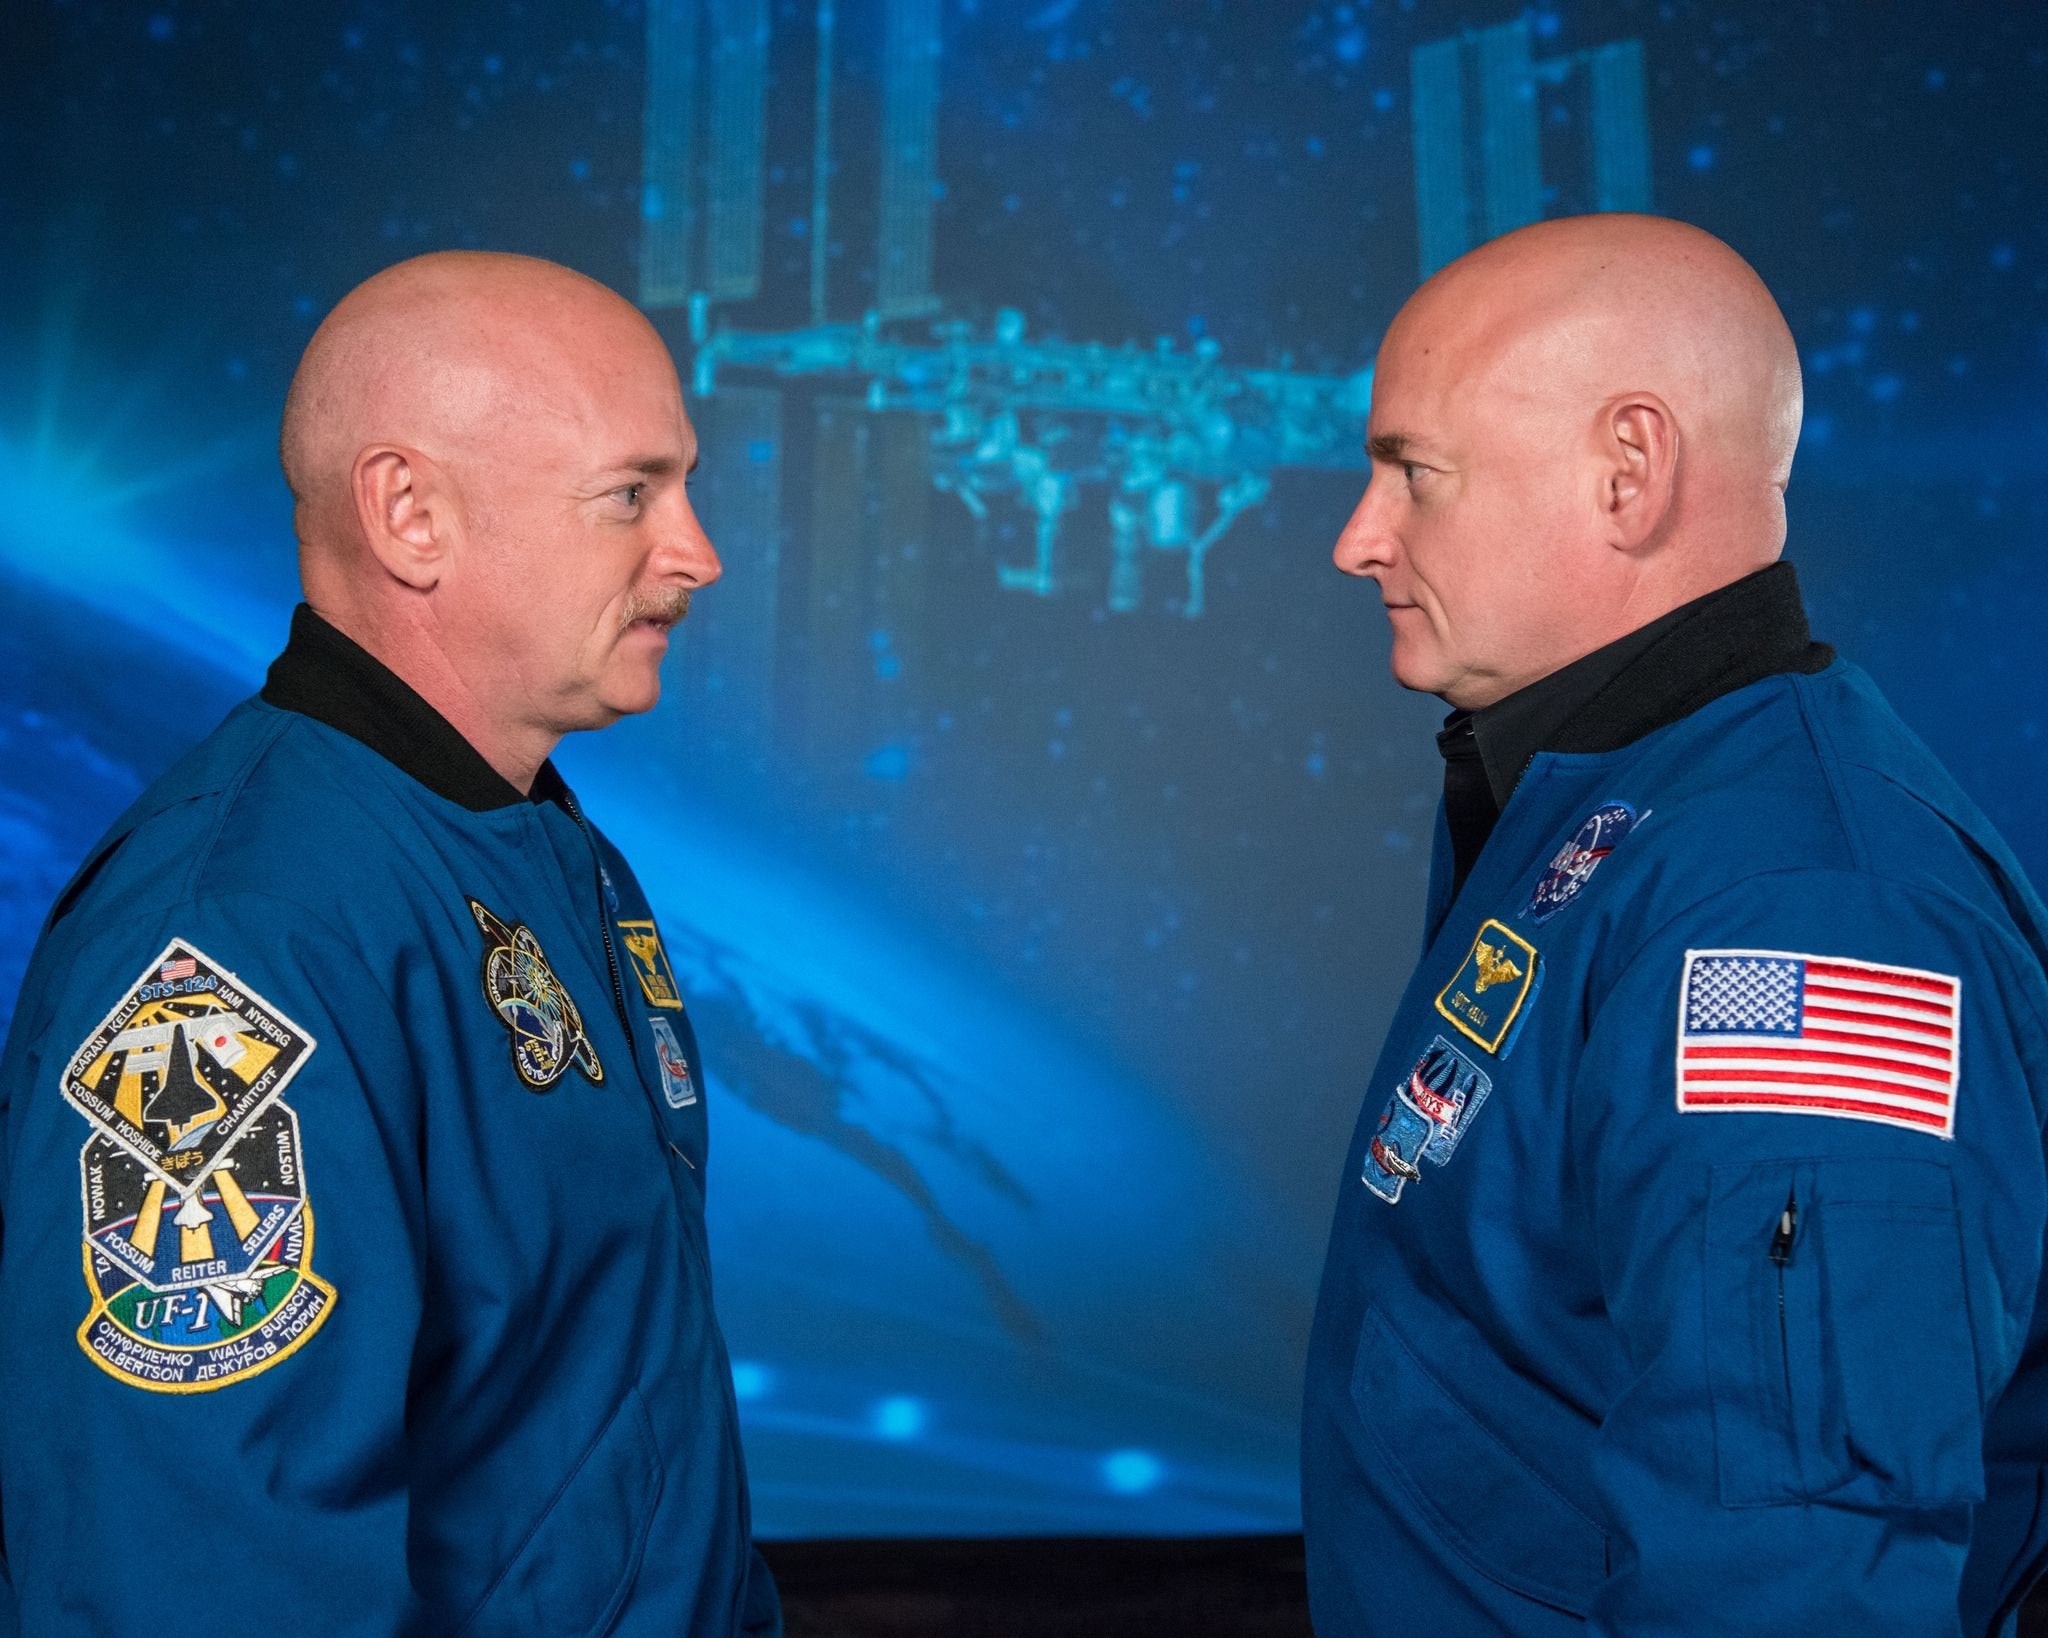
(631,684)
(631,694)
(1418,673)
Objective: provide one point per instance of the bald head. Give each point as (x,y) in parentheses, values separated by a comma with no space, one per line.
(445,353)
(1591,422)
(1570,314)
(487,455)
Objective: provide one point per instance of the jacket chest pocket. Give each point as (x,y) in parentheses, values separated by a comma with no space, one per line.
(1473,1492)
(1839,1352)
(579,1560)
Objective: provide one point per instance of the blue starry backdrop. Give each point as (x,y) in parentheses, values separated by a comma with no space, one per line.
(1039,838)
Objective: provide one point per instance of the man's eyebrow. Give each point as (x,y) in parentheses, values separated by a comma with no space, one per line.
(1390,447)
(648,466)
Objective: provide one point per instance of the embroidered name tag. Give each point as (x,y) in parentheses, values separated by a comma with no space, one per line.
(642,941)
(1485,998)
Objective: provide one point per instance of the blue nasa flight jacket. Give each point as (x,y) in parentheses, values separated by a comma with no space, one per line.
(1687,1267)
(352,1190)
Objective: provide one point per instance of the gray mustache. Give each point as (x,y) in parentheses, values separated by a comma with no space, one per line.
(669,608)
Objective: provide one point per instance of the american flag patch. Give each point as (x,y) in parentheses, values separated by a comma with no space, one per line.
(1775,1031)
(172,972)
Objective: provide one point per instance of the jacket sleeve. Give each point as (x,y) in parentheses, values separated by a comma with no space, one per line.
(1806,1126)
(211,1276)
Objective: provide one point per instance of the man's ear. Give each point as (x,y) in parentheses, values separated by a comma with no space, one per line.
(406,511)
(1638,443)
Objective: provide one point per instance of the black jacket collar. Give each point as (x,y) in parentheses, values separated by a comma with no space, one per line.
(331,678)
(1657,675)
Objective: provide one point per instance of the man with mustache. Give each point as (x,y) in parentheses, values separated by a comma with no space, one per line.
(1687,1268)
(361,958)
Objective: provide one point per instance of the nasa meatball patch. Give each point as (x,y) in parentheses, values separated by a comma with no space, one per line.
(198,1235)
(1573,864)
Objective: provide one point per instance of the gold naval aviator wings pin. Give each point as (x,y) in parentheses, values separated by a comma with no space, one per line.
(1486,994)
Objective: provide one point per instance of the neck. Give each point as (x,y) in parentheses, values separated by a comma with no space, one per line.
(1642,601)
(514,749)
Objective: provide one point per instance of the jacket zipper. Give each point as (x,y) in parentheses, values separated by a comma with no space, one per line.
(696,1252)
(604,921)
(1781,1254)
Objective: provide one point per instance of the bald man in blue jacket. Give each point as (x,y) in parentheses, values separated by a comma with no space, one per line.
(352,1161)
(1687,1267)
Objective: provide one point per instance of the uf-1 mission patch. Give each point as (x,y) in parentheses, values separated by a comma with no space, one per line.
(198,1236)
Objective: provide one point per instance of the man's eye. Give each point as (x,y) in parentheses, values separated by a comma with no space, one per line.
(1409,469)
(630,495)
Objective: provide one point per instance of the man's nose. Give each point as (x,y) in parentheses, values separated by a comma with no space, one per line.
(684,551)
(1365,542)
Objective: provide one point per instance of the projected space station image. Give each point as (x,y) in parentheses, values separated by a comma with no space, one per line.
(1031,824)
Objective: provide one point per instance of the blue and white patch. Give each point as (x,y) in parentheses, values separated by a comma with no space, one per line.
(1573,866)
(676,1084)
(1424,1119)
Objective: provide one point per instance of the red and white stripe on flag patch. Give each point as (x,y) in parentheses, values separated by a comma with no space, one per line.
(1780,1032)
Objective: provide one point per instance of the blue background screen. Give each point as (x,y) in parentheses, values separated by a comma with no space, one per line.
(1039,837)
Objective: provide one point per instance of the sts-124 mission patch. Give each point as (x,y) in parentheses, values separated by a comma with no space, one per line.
(198,1235)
